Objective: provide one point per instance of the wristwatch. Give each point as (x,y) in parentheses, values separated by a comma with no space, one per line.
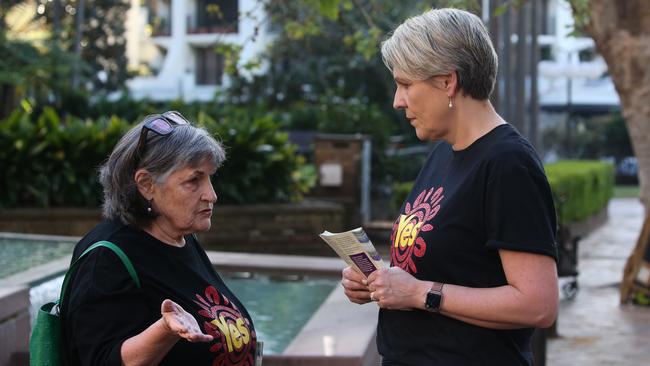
(434,298)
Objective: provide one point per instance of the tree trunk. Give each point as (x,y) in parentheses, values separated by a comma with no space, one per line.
(7,99)
(621,30)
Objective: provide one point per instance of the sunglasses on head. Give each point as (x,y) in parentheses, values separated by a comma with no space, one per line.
(161,124)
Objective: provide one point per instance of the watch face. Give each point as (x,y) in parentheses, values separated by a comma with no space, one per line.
(433,301)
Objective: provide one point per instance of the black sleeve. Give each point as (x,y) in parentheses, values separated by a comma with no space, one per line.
(519,210)
(103,308)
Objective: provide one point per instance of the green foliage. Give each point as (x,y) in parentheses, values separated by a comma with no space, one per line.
(327,114)
(503,7)
(324,49)
(405,167)
(262,165)
(36,66)
(103,41)
(328,8)
(124,107)
(328,48)
(231,54)
(641,298)
(104,36)
(49,161)
(400,193)
(39,73)
(580,188)
(590,138)
(335,115)
(332,47)
(53,161)
(580,15)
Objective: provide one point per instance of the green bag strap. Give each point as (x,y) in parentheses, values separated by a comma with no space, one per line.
(107,244)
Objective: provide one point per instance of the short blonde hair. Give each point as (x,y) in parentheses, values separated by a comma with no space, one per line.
(441,41)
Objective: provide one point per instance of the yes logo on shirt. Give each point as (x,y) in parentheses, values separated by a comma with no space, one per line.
(405,238)
(233,337)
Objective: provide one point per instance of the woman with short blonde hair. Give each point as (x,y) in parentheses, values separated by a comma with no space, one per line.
(473,254)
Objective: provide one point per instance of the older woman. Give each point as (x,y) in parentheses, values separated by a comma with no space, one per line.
(157,194)
(473,250)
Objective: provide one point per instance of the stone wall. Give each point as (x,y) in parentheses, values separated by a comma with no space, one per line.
(279,229)
(14,325)
(275,228)
(50,221)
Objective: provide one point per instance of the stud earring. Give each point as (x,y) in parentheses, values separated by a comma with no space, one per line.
(450,103)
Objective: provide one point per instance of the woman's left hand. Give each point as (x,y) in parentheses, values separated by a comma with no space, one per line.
(394,288)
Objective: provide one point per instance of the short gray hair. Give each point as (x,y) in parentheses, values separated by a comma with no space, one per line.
(186,146)
(440,41)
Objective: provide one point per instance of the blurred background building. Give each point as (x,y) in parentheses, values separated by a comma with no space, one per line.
(171,44)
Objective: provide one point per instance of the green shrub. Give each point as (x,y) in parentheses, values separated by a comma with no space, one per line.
(327,114)
(262,166)
(400,193)
(590,138)
(580,188)
(49,161)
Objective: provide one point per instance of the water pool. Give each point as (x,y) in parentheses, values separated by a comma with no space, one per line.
(279,305)
(17,255)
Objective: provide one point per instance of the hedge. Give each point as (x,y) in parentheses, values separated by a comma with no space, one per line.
(50,161)
(47,160)
(580,188)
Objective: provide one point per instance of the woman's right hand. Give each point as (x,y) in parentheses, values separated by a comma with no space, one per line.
(181,323)
(356,287)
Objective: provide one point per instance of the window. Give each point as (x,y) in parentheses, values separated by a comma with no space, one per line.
(588,54)
(546,53)
(209,66)
(217,16)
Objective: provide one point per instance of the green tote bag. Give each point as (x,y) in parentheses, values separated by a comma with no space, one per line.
(45,348)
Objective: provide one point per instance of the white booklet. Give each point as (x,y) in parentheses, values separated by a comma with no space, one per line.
(356,249)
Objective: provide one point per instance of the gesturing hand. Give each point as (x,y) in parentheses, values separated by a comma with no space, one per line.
(181,323)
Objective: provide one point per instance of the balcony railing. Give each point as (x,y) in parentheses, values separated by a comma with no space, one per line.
(212,28)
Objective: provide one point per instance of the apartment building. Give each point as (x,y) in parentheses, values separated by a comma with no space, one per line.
(572,75)
(171,45)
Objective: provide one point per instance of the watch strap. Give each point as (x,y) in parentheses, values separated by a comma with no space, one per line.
(437,287)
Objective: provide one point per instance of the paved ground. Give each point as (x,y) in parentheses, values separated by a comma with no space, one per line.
(593,328)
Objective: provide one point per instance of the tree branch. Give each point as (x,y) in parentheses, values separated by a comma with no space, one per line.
(365,14)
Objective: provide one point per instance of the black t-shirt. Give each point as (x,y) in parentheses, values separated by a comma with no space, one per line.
(466,205)
(104,307)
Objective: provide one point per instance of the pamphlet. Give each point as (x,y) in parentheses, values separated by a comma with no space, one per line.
(356,249)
